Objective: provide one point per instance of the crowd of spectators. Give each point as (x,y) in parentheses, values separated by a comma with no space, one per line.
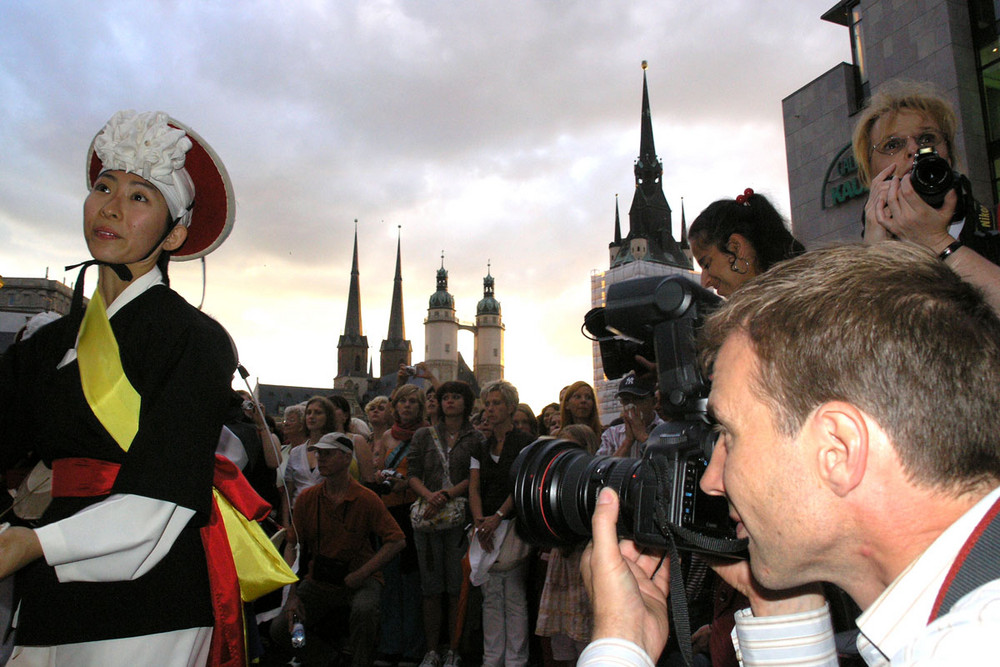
(457,584)
(399,515)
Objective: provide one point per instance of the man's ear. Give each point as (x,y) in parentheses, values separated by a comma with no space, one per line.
(176,238)
(841,433)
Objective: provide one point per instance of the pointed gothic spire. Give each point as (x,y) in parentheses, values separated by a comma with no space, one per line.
(684,228)
(395,348)
(618,224)
(685,246)
(352,348)
(647,150)
(650,236)
(352,326)
(397,328)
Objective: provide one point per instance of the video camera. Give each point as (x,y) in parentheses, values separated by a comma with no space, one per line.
(556,483)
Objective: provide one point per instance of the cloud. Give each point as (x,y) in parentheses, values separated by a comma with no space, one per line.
(496,131)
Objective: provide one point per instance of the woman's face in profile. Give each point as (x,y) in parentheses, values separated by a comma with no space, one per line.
(719,271)
(343,418)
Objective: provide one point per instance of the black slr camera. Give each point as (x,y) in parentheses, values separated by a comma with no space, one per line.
(932,177)
(556,483)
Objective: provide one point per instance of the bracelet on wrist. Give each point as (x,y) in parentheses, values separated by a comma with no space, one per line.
(446,494)
(952,247)
(500,513)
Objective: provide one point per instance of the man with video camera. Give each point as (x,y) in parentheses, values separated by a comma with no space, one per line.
(855,391)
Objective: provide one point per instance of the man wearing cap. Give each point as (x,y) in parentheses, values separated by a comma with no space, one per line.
(639,418)
(337,520)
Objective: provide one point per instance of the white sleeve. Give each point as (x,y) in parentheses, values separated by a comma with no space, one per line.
(118,539)
(804,638)
(231,447)
(611,651)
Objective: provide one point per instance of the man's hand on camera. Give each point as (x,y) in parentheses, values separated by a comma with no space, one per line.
(629,602)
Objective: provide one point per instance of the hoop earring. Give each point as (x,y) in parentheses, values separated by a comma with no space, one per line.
(746,266)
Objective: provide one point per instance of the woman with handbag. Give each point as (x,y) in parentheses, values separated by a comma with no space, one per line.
(439,475)
(505,603)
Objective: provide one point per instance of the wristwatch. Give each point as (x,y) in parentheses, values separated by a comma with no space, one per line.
(500,513)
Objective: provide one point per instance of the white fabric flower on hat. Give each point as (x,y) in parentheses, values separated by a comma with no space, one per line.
(144,144)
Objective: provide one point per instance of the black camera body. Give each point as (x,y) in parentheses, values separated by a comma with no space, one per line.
(384,487)
(556,483)
(932,177)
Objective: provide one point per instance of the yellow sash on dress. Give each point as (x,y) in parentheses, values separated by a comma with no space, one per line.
(259,566)
(115,402)
(110,395)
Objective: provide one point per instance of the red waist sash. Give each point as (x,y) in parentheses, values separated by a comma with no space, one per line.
(86,478)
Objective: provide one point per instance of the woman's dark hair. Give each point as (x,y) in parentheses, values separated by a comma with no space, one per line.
(756,220)
(163,261)
(460,388)
(341,402)
(525,409)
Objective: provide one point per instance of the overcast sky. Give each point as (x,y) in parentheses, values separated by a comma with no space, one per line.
(493,131)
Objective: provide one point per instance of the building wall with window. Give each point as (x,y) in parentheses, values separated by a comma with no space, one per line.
(23,298)
(950,44)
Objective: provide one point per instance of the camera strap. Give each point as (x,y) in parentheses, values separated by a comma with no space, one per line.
(397,455)
(678,592)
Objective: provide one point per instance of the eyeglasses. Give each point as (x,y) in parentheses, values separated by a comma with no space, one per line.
(893,145)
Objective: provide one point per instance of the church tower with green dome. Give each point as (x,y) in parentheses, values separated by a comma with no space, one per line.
(489,336)
(441,330)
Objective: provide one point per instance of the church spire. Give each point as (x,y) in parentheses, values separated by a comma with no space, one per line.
(352,326)
(685,246)
(615,246)
(397,328)
(352,348)
(648,168)
(618,223)
(395,348)
(650,237)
